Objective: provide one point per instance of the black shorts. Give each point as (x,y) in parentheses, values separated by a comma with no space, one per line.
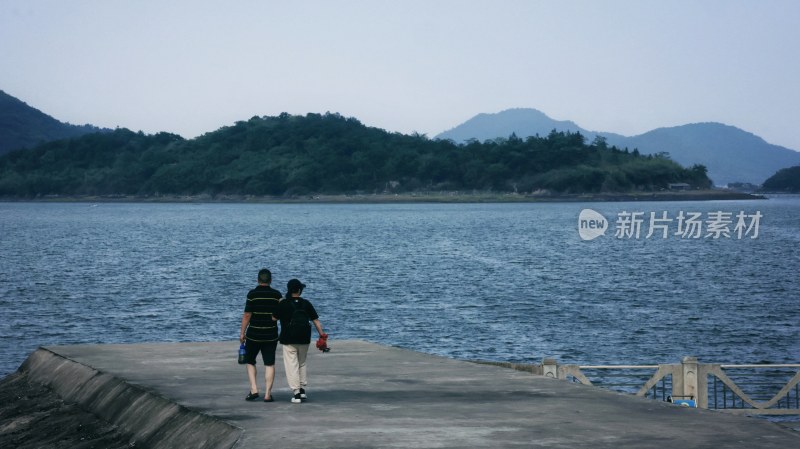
(267,349)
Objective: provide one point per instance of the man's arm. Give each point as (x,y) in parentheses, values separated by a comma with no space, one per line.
(245,321)
(276,314)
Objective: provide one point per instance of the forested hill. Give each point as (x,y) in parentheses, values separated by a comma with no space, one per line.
(22,126)
(785,180)
(297,155)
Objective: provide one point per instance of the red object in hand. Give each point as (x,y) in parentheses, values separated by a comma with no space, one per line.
(322,343)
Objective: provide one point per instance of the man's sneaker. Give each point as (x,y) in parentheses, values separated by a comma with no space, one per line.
(296,399)
(303,394)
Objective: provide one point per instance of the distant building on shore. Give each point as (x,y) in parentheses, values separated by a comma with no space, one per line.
(679,186)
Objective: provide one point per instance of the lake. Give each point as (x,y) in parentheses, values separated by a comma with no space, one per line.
(505,282)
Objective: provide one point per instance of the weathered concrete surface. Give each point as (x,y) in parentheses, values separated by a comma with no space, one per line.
(366,395)
(32,417)
(145,415)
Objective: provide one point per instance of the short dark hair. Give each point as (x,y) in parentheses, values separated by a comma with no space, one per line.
(264,276)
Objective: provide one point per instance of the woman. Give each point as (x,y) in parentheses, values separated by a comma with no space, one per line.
(295,314)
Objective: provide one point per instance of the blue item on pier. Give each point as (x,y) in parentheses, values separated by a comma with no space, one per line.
(683,402)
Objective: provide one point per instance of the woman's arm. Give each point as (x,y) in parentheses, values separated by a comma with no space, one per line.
(318,325)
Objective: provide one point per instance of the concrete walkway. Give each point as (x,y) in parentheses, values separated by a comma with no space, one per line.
(363,395)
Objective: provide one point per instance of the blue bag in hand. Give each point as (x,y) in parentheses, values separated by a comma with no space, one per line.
(242,354)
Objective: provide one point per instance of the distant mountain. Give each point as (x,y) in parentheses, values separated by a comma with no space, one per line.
(22,126)
(521,121)
(729,153)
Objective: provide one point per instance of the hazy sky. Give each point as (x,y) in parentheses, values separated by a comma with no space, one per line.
(191,67)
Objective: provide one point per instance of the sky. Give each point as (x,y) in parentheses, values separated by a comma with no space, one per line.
(191,67)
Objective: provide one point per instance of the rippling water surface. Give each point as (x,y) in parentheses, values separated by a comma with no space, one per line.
(475,281)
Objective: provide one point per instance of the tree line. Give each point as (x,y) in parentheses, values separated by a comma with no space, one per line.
(329,154)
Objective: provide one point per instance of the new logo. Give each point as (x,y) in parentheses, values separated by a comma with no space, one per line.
(591,224)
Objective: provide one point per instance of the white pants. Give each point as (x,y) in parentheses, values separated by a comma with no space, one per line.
(294,360)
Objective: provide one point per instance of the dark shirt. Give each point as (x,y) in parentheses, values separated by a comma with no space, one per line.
(284,313)
(262,302)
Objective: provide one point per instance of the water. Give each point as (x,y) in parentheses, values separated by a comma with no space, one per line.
(510,282)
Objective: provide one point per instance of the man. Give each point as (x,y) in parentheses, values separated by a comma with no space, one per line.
(295,313)
(259,333)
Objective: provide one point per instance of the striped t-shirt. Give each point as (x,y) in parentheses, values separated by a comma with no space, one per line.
(262,302)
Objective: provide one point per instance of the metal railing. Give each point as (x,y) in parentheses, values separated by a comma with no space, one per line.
(774,390)
(769,389)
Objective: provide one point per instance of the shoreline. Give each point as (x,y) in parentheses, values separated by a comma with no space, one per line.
(417,197)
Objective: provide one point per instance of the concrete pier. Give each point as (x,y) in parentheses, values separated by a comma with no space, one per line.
(363,395)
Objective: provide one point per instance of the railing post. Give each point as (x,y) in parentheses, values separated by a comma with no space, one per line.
(550,368)
(689,374)
(702,384)
(677,380)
